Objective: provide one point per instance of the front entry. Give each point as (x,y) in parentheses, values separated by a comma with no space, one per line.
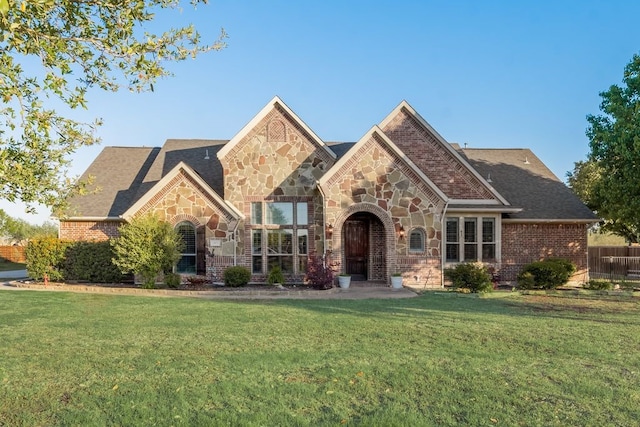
(356,238)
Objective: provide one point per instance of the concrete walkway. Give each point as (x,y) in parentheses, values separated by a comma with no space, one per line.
(13,274)
(359,290)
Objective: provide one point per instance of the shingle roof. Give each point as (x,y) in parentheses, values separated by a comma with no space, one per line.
(118,173)
(527,183)
(124,174)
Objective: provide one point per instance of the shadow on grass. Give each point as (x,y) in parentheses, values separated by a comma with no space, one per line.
(594,308)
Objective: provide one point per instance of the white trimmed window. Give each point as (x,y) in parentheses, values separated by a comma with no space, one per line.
(470,239)
(280,237)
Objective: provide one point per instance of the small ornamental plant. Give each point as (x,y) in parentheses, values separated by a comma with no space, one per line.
(275,276)
(320,275)
(236,276)
(469,277)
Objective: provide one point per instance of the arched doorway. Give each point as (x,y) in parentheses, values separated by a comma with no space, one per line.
(364,243)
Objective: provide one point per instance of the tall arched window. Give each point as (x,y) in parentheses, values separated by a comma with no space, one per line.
(187,263)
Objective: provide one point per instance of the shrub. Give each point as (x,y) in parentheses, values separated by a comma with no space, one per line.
(172,280)
(275,276)
(546,274)
(46,256)
(473,276)
(319,274)
(236,276)
(598,285)
(147,246)
(92,262)
(197,280)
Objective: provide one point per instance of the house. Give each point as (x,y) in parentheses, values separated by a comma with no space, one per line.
(401,199)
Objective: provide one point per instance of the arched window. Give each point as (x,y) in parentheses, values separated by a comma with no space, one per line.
(416,240)
(187,263)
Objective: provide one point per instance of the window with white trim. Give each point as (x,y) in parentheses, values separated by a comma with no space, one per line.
(279,237)
(416,240)
(470,239)
(187,262)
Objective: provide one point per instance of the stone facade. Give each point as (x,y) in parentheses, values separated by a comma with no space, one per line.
(397,181)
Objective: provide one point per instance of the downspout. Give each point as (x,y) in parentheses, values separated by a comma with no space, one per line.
(443,251)
(324,219)
(235,243)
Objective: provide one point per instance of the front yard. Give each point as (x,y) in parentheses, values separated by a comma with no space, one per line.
(439,359)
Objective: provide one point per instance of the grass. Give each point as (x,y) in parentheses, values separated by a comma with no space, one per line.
(6,265)
(439,359)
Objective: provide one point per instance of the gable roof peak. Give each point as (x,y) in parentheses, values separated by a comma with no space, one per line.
(275,102)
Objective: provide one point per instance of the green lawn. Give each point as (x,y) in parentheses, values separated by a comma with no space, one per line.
(440,359)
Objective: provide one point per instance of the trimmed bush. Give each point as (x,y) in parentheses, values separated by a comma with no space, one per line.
(46,256)
(472,276)
(236,276)
(172,280)
(598,285)
(275,276)
(547,274)
(91,262)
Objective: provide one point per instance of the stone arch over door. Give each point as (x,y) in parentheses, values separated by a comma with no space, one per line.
(385,237)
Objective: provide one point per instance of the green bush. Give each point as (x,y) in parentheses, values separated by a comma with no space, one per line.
(598,285)
(547,274)
(472,276)
(236,276)
(147,246)
(172,280)
(46,255)
(92,262)
(275,276)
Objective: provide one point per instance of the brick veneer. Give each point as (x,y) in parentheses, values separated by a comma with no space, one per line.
(447,172)
(89,230)
(523,243)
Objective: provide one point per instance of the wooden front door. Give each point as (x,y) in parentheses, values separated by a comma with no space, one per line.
(356,239)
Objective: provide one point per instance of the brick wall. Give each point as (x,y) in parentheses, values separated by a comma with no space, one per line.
(89,230)
(430,155)
(525,243)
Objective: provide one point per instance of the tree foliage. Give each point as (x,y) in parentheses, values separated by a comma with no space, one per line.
(18,231)
(608,181)
(147,246)
(51,53)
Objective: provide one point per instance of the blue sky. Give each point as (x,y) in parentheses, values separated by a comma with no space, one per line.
(492,74)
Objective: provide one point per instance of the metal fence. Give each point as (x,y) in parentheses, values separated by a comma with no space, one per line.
(614,262)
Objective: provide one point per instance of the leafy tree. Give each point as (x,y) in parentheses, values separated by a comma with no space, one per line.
(18,230)
(147,246)
(608,181)
(79,44)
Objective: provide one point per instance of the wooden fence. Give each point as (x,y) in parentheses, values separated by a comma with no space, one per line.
(12,253)
(614,262)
